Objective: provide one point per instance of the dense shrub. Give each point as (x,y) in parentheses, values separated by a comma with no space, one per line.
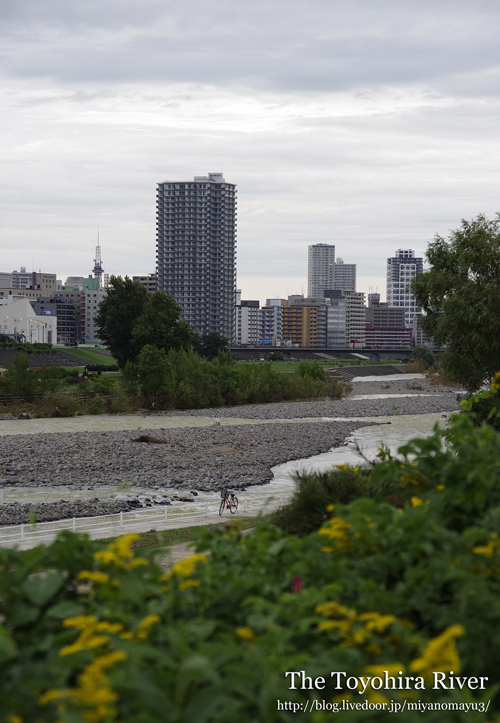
(314,493)
(21,381)
(102,367)
(183,380)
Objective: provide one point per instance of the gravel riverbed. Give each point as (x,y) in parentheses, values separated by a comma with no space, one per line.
(61,475)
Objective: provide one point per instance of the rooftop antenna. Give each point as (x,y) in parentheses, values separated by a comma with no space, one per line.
(98,270)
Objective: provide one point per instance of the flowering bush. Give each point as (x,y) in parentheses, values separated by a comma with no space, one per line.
(98,634)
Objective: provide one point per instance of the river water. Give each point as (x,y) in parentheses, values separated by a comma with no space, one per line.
(393,431)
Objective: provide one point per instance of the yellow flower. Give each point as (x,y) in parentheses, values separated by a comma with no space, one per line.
(376,622)
(440,487)
(495,383)
(186,567)
(486,550)
(88,640)
(145,625)
(376,697)
(440,654)
(331,608)
(330,508)
(93,694)
(343,467)
(416,501)
(336,529)
(413,478)
(246,634)
(189,583)
(393,669)
(327,549)
(119,553)
(15,719)
(101,577)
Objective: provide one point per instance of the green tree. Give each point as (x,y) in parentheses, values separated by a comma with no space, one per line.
(209,345)
(160,325)
(460,297)
(423,353)
(117,316)
(154,371)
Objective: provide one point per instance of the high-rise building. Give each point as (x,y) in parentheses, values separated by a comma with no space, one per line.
(346,318)
(304,321)
(344,276)
(402,268)
(271,322)
(320,269)
(246,320)
(196,250)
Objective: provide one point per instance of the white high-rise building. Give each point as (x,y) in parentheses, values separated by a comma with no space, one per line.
(402,268)
(246,320)
(344,276)
(196,250)
(320,269)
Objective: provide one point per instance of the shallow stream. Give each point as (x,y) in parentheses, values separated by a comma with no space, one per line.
(393,431)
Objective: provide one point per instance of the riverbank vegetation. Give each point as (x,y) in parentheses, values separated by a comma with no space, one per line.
(158,380)
(394,586)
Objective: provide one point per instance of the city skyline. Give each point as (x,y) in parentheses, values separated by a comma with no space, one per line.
(368,128)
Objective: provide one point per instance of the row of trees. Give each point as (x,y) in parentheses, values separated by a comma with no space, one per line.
(129,319)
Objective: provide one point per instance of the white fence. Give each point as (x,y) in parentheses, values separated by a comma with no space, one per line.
(141,520)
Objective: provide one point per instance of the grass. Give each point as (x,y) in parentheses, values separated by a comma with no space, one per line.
(324,363)
(157,540)
(90,356)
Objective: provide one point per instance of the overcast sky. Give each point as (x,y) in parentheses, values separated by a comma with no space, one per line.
(372,125)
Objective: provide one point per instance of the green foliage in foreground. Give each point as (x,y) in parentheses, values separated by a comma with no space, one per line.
(484,406)
(104,635)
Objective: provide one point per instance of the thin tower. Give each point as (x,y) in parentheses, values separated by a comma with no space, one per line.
(98,269)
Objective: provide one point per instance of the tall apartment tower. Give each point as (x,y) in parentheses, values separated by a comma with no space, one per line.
(402,268)
(196,250)
(344,276)
(320,269)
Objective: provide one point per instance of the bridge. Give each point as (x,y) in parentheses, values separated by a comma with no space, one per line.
(299,353)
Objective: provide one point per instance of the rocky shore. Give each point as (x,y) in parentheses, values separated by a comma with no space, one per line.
(98,471)
(166,462)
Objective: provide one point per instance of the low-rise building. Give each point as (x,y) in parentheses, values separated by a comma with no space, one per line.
(385,326)
(19,321)
(150,282)
(64,311)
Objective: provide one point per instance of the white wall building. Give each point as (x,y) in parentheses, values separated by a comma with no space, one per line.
(271,322)
(93,298)
(402,268)
(246,320)
(18,319)
(320,269)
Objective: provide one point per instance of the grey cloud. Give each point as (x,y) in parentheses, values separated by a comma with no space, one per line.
(285,46)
